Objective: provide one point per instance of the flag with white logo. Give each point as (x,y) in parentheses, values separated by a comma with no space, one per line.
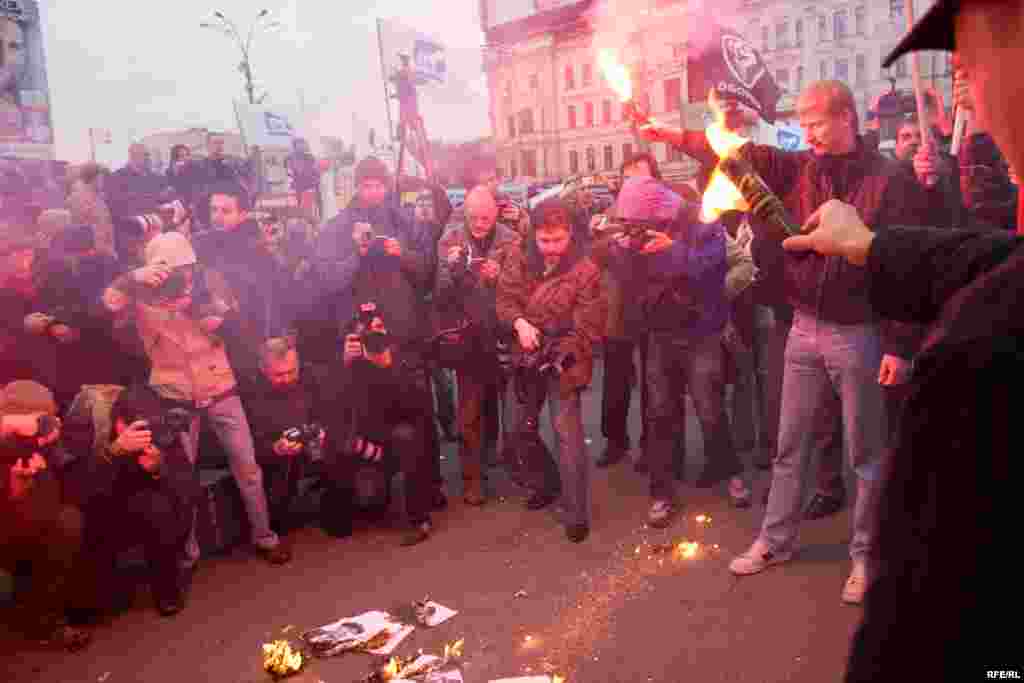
(265,126)
(732,66)
(427,54)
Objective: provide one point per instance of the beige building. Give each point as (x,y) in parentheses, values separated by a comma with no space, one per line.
(553,114)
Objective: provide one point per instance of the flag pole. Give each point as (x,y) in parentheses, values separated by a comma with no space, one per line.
(384,78)
(92,146)
(915,70)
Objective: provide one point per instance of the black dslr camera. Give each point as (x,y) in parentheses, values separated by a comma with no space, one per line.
(308,435)
(547,360)
(165,428)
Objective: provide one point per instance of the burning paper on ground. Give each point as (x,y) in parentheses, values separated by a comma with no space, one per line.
(426,668)
(280,660)
(430,613)
(374,632)
(555,678)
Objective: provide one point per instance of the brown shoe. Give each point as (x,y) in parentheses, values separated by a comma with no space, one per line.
(278,555)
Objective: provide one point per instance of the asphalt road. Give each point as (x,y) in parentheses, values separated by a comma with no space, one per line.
(613,609)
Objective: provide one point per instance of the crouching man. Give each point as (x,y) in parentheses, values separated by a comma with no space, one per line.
(550,294)
(381,416)
(137,487)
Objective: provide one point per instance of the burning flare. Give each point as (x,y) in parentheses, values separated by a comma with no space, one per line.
(721,194)
(616,74)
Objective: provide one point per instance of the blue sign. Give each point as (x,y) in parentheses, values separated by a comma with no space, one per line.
(277,125)
(430,61)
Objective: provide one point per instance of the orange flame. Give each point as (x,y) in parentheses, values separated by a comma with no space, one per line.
(616,74)
(721,194)
(391,670)
(688,549)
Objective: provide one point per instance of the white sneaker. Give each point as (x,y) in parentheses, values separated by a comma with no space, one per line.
(856,584)
(757,559)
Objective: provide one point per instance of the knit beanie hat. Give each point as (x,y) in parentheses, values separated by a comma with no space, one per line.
(172,248)
(24,397)
(372,167)
(647,199)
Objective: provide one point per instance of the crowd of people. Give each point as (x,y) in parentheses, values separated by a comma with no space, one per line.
(167,308)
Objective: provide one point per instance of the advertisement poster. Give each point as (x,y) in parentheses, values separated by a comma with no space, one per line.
(26,130)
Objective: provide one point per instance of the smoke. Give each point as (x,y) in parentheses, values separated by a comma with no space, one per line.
(615,22)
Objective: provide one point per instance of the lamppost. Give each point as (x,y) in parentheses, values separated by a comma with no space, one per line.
(222,24)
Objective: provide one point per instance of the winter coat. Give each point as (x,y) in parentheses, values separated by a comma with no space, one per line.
(271,411)
(954,476)
(830,288)
(397,285)
(985,184)
(131,193)
(461,293)
(680,290)
(24,355)
(187,364)
(568,299)
(263,293)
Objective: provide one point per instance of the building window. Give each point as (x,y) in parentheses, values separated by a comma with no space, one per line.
(570,78)
(511,126)
(896,9)
(609,158)
(574,162)
(842,70)
(513,168)
(588,113)
(822,28)
(525,121)
(860,19)
(799,29)
(530,163)
(534,82)
(606,112)
(588,75)
(591,160)
(572,116)
(627,152)
(765,37)
(823,70)
(782,34)
(862,70)
(782,78)
(799,78)
(673,94)
(839,24)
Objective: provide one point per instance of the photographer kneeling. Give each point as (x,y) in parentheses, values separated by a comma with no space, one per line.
(383,414)
(550,293)
(138,487)
(35,526)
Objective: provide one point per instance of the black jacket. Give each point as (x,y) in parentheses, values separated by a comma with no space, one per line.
(130,193)
(271,412)
(950,501)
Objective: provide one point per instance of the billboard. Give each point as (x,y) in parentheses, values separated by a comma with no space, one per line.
(26,128)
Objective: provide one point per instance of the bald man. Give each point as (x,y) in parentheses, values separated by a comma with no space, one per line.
(838,355)
(470,259)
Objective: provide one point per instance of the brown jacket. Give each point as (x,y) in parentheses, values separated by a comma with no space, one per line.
(570,297)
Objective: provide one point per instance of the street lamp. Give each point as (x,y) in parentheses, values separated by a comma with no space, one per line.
(223,24)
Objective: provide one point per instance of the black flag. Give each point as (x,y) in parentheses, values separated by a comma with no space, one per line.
(731,65)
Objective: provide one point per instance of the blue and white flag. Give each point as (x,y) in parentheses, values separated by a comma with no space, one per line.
(266,126)
(427,53)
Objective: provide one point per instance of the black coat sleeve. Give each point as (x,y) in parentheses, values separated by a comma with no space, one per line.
(915,271)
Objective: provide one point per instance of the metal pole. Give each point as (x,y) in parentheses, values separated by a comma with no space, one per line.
(915,69)
(384,77)
(92,146)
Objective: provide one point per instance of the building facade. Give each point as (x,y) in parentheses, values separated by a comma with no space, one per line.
(554,115)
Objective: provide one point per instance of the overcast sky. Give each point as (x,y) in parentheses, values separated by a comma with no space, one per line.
(143,67)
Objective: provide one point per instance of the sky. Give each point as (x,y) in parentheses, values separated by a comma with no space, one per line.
(137,68)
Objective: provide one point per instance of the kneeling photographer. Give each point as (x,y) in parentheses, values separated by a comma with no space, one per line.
(36,527)
(136,486)
(381,420)
(550,293)
(285,411)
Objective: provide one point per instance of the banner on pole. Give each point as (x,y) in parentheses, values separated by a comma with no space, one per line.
(26,128)
(428,54)
(264,126)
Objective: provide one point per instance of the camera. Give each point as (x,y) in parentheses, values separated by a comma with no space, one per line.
(165,428)
(547,360)
(635,231)
(309,436)
(375,342)
(22,447)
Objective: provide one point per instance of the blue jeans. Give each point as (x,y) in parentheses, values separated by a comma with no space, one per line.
(228,421)
(831,370)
